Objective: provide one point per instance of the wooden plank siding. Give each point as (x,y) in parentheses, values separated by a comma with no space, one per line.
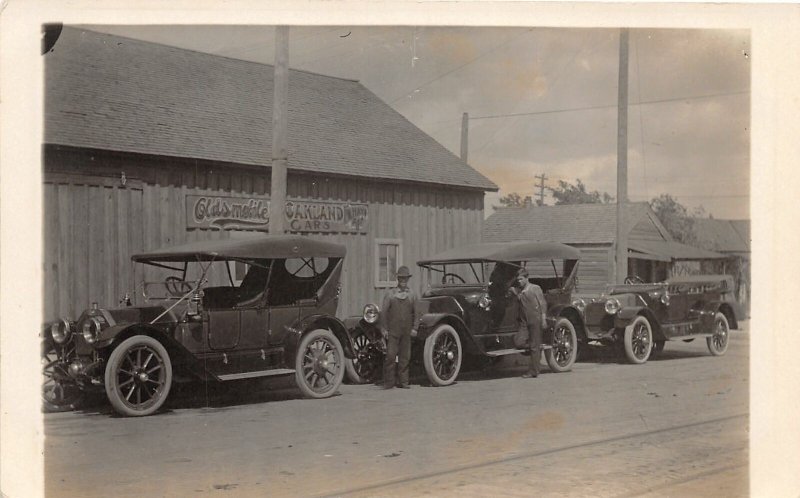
(594,271)
(93,224)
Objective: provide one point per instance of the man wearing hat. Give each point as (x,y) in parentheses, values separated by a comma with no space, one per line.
(398,325)
(532,319)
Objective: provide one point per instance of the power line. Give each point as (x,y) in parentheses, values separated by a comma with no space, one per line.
(607,106)
(461,66)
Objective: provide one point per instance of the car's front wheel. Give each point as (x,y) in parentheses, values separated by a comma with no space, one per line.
(718,343)
(138,376)
(368,361)
(442,355)
(59,392)
(564,346)
(319,364)
(638,340)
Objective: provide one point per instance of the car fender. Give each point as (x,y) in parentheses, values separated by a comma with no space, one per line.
(311,322)
(112,336)
(429,321)
(710,310)
(628,314)
(569,312)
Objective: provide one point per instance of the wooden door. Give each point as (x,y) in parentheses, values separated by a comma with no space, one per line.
(92,226)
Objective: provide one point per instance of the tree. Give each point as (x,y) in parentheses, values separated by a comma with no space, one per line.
(567,193)
(675,218)
(511,200)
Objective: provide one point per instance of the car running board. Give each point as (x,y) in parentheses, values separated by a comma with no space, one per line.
(505,352)
(260,373)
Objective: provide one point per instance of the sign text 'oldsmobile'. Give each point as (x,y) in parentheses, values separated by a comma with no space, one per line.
(253,213)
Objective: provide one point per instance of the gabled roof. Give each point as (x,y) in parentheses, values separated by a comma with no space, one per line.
(723,235)
(673,250)
(113,93)
(568,223)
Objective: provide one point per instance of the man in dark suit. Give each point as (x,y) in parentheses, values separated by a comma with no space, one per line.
(398,325)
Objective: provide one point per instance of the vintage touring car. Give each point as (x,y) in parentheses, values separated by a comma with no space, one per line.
(217,311)
(638,317)
(468,310)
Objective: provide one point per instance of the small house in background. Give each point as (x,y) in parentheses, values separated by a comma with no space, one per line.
(147,145)
(653,255)
(731,238)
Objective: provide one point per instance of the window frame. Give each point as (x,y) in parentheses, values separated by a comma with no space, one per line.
(383,284)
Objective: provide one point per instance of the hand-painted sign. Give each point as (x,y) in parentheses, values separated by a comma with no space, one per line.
(253,213)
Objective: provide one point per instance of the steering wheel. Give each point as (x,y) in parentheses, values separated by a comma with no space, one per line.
(177,286)
(633,279)
(453,278)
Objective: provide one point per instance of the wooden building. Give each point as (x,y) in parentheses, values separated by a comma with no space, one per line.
(731,238)
(653,255)
(148,145)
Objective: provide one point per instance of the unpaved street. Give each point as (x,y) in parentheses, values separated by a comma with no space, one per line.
(675,426)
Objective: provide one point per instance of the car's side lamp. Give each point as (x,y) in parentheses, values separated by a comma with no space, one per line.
(195,307)
(665,299)
(485,302)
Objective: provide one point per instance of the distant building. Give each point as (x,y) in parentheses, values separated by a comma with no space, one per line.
(731,238)
(145,144)
(653,255)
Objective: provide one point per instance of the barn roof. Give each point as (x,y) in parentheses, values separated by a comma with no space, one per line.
(113,93)
(723,235)
(566,223)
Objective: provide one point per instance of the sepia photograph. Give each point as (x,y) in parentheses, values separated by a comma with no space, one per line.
(394,259)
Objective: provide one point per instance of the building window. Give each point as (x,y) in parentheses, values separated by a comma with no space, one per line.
(388,255)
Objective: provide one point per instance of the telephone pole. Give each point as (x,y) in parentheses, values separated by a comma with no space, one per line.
(464,136)
(542,178)
(280,132)
(621,266)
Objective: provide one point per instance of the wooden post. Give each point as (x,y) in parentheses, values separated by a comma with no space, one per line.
(464,136)
(621,266)
(541,177)
(280,131)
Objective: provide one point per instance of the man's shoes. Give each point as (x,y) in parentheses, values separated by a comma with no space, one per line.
(387,387)
(403,386)
(530,375)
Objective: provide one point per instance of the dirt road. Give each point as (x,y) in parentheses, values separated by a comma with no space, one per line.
(674,426)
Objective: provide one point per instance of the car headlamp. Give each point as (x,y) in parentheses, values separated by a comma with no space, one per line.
(60,331)
(371,313)
(579,304)
(91,329)
(665,299)
(612,306)
(484,302)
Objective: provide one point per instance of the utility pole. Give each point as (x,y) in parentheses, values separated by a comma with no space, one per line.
(541,177)
(621,266)
(464,136)
(280,132)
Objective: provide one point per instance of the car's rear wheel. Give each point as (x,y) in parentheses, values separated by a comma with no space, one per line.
(718,343)
(138,376)
(59,392)
(319,364)
(564,346)
(442,356)
(368,361)
(638,340)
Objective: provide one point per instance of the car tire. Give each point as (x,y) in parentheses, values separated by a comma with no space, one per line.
(365,369)
(658,347)
(442,355)
(319,364)
(718,343)
(638,340)
(143,364)
(564,350)
(59,394)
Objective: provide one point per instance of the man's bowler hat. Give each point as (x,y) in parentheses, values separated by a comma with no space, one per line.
(403,272)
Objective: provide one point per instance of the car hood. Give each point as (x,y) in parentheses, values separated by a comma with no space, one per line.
(133,314)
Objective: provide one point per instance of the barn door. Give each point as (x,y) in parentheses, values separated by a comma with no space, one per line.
(92,226)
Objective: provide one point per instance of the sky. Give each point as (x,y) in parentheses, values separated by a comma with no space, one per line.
(541,100)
